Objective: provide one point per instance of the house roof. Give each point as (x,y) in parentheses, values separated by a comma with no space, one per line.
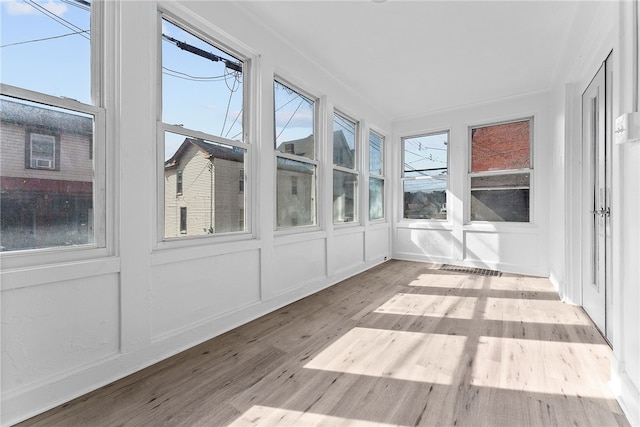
(44,117)
(210,150)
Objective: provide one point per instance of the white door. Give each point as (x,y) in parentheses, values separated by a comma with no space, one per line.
(597,197)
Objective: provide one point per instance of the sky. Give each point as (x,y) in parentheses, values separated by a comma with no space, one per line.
(45,47)
(426,156)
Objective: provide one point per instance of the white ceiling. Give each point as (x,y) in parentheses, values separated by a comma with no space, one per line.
(415,57)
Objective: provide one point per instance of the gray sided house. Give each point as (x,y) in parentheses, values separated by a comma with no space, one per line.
(204,189)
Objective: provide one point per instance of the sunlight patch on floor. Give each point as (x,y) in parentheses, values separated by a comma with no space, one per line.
(412,356)
(561,368)
(429,305)
(266,416)
(533,311)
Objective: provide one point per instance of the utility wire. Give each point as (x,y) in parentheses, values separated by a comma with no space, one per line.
(204,54)
(290,118)
(186,76)
(56,18)
(44,39)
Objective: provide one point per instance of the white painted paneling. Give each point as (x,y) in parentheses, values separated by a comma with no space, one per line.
(507,249)
(51,330)
(349,251)
(378,243)
(433,245)
(190,292)
(296,264)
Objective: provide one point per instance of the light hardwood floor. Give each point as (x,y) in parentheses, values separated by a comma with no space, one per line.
(401,344)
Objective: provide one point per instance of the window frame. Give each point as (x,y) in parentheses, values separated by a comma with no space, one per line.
(55,152)
(213,36)
(102,244)
(501,172)
(280,230)
(404,179)
(355,171)
(380,177)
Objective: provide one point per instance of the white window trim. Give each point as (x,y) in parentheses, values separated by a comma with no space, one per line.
(369,175)
(195,25)
(317,150)
(506,225)
(46,139)
(103,194)
(434,221)
(356,170)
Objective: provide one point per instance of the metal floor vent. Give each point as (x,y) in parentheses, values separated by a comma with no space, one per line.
(470,270)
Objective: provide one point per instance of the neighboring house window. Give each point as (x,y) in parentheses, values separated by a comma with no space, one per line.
(296,164)
(203,136)
(345,172)
(500,172)
(178,183)
(425,175)
(183,220)
(376,176)
(48,106)
(42,151)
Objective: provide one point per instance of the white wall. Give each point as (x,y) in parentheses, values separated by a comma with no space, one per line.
(599,28)
(70,327)
(512,247)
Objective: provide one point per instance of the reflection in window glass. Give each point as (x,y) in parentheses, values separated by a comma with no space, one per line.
(294,117)
(376,198)
(344,142)
(46,47)
(211,197)
(500,198)
(425,176)
(425,198)
(295,193)
(345,190)
(202,86)
(46,176)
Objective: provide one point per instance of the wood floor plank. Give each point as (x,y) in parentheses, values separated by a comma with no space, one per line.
(403,344)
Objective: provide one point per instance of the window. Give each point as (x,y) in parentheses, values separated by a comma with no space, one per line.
(54,196)
(183,220)
(500,172)
(296,163)
(202,135)
(376,178)
(345,173)
(178,183)
(42,151)
(425,175)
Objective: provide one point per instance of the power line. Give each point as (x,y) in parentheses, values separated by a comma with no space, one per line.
(186,76)
(204,54)
(56,18)
(290,118)
(46,38)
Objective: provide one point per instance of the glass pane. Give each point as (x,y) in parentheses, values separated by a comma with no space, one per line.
(46,47)
(296,193)
(201,85)
(345,192)
(425,198)
(212,198)
(501,147)
(46,191)
(376,198)
(426,155)
(294,116)
(500,198)
(344,142)
(375,153)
